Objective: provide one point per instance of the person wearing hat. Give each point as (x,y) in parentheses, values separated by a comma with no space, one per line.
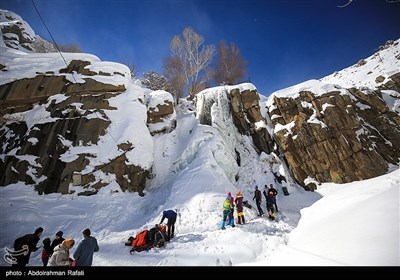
(239,207)
(57,240)
(84,253)
(27,242)
(226,210)
(60,255)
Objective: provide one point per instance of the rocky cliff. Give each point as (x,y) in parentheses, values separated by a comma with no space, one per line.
(18,34)
(76,127)
(77,123)
(344,127)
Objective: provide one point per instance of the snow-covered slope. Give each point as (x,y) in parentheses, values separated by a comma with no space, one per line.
(353,224)
(365,73)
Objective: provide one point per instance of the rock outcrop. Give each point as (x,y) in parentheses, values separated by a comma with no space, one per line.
(18,34)
(45,117)
(161,115)
(342,132)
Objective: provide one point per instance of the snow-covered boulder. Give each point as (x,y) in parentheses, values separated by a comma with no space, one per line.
(161,115)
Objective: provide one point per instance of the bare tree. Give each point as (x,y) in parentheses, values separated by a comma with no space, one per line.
(174,72)
(154,81)
(132,68)
(230,66)
(194,57)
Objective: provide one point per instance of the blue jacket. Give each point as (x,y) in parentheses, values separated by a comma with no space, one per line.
(169,214)
(84,253)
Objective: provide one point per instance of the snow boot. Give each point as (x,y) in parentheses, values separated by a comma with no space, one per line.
(223,225)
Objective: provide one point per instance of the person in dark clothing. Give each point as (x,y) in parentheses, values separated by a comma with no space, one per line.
(57,240)
(265,193)
(231,219)
(46,251)
(29,242)
(258,197)
(270,204)
(239,207)
(274,192)
(171,216)
(84,253)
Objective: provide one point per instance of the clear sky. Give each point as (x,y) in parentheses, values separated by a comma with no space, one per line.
(285,42)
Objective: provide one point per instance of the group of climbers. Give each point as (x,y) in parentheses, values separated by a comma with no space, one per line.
(230,203)
(229,209)
(270,194)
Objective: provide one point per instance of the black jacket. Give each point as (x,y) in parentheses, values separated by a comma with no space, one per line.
(29,239)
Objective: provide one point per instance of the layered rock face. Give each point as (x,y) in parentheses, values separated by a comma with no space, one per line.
(18,34)
(342,132)
(247,117)
(53,124)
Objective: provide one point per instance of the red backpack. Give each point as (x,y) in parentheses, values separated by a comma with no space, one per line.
(140,240)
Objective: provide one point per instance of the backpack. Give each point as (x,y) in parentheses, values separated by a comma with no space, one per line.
(140,242)
(140,239)
(227,204)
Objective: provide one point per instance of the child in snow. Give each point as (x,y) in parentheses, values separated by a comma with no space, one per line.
(46,251)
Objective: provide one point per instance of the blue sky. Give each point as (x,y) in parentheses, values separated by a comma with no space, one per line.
(285,42)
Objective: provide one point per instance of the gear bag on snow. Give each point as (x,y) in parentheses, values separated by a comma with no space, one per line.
(140,242)
(147,239)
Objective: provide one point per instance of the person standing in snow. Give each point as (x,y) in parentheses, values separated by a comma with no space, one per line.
(239,207)
(60,255)
(84,253)
(57,241)
(270,204)
(258,197)
(27,242)
(227,210)
(231,220)
(46,251)
(171,216)
(274,192)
